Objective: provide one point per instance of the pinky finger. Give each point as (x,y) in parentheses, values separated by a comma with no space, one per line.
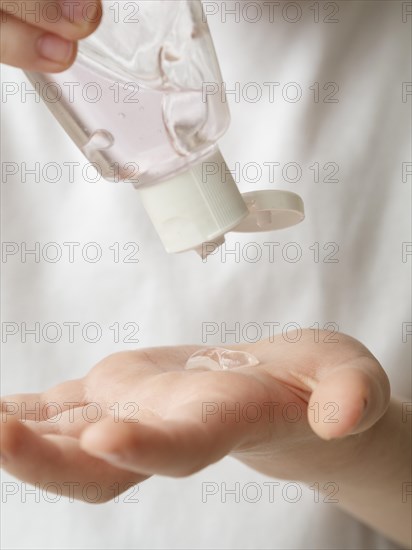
(31,48)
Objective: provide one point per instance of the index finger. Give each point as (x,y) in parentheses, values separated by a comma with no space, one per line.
(70,19)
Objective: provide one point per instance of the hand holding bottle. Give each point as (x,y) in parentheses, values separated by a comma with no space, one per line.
(42,35)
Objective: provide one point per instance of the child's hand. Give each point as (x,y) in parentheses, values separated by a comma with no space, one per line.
(157,418)
(42,35)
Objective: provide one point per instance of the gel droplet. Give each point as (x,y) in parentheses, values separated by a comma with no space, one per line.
(100,139)
(220,359)
(208,247)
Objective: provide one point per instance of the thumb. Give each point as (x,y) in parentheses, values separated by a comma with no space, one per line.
(349,399)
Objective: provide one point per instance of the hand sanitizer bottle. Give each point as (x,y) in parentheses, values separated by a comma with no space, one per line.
(136,103)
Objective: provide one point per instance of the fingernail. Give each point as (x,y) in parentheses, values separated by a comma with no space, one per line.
(362,417)
(54,48)
(79,11)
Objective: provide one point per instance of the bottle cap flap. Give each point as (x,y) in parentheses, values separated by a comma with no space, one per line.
(270,210)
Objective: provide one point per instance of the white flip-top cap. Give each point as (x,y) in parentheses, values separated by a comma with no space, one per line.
(194,210)
(197,206)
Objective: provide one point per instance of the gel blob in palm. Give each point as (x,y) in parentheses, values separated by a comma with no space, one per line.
(220,359)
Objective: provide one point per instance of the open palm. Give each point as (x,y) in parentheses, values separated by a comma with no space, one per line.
(141,413)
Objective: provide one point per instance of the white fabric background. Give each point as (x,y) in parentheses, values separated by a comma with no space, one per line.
(366,294)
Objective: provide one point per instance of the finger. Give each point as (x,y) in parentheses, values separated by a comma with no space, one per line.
(20,405)
(71,423)
(177,446)
(70,19)
(41,406)
(28,47)
(349,399)
(167,448)
(58,463)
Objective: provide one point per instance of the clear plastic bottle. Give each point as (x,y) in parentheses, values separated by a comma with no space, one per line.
(136,103)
